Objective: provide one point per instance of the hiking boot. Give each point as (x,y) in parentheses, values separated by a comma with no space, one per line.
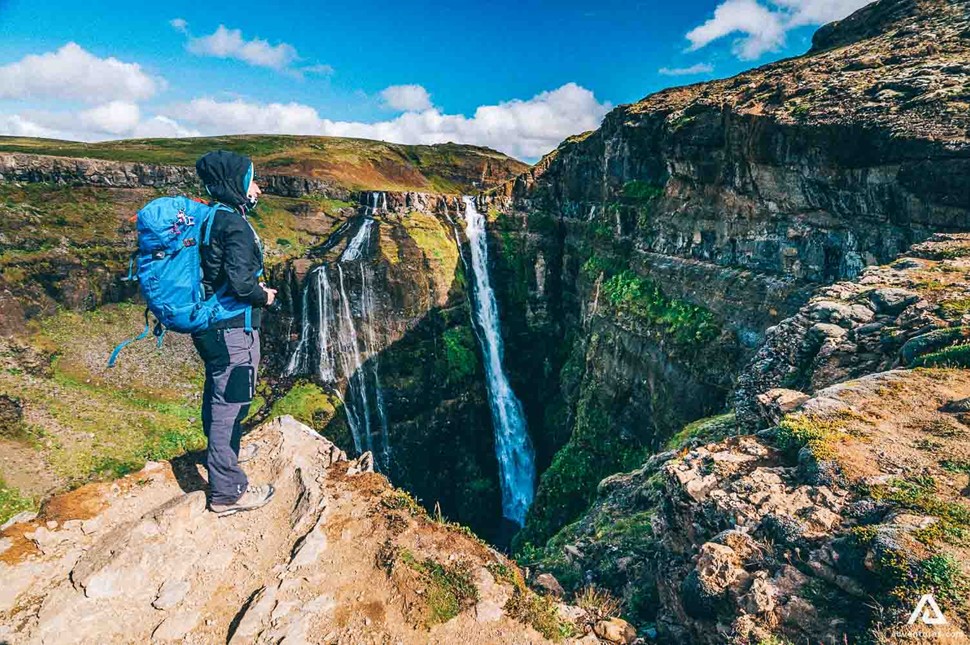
(247,452)
(254,497)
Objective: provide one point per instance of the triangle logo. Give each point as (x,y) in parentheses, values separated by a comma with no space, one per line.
(927,611)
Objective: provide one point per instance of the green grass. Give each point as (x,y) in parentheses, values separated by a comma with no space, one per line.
(539,612)
(820,435)
(308,403)
(685,323)
(920,494)
(707,430)
(12,502)
(355,164)
(641,193)
(461,358)
(952,356)
(447,588)
(99,422)
(961,466)
(595,449)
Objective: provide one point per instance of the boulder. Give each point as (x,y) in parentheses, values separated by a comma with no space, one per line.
(548,583)
(615,630)
(891,301)
(774,404)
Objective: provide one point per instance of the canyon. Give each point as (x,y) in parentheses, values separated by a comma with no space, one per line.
(709,358)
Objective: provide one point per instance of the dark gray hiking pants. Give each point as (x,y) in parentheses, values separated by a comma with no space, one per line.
(231,359)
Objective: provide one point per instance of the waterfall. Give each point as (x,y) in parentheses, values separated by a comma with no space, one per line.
(376,202)
(359,244)
(358,407)
(367,317)
(340,351)
(298,360)
(326,366)
(513,448)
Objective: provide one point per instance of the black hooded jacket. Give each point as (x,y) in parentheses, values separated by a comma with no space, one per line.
(234,255)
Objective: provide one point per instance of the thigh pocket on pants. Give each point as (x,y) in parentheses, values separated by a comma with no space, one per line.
(241,384)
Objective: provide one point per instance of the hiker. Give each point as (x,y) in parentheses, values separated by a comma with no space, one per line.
(232,262)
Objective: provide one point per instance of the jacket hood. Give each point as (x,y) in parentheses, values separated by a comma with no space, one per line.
(226,176)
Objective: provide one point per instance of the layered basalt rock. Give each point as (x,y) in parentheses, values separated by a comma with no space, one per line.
(739,197)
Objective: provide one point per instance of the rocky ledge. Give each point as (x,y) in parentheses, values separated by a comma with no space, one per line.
(914,311)
(338,557)
(844,507)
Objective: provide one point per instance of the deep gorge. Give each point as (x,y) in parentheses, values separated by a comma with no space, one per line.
(653,280)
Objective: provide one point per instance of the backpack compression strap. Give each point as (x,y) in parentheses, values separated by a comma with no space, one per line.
(148,329)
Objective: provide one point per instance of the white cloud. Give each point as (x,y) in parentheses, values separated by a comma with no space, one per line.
(161,127)
(761,27)
(117,117)
(229,43)
(115,120)
(19,126)
(523,128)
(73,73)
(699,68)
(179,24)
(407,98)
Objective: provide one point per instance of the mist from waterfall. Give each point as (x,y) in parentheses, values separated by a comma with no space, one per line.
(513,447)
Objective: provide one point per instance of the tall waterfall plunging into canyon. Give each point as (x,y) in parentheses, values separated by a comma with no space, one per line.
(513,447)
(345,338)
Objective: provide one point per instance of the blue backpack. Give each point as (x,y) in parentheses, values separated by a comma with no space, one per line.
(171,231)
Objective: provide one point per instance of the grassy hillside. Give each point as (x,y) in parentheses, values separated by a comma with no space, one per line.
(66,246)
(356,164)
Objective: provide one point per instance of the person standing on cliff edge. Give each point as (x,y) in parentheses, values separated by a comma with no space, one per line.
(232,263)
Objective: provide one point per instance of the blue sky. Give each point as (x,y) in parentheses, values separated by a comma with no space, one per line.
(518,76)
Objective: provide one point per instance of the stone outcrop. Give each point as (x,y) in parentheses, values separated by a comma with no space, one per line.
(123,174)
(337,557)
(851,497)
(907,313)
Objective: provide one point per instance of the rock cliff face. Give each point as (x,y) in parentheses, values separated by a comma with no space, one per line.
(852,492)
(664,244)
(120,174)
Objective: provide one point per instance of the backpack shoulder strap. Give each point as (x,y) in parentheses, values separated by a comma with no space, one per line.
(117,350)
(211,220)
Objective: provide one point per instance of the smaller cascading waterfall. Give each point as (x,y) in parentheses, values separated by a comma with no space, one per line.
(376,202)
(358,244)
(513,447)
(367,316)
(338,343)
(300,355)
(326,323)
(358,407)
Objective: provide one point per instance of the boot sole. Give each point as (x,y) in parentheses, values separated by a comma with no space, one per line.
(242,509)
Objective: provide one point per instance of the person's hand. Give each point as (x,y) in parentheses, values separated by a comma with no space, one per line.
(270,295)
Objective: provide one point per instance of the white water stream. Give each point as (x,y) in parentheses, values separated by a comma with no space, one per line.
(513,447)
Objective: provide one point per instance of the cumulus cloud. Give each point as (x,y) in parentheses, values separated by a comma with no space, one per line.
(117,117)
(523,128)
(73,73)
(761,26)
(699,68)
(114,120)
(230,43)
(407,98)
